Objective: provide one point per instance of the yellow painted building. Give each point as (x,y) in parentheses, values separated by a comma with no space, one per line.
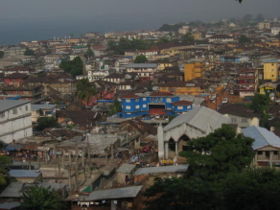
(182,90)
(271,70)
(193,71)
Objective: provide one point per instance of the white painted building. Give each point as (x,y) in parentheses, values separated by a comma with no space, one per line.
(15,120)
(199,122)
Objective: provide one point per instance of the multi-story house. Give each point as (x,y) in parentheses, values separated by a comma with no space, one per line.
(157,103)
(247,82)
(271,69)
(15,120)
(145,71)
(193,70)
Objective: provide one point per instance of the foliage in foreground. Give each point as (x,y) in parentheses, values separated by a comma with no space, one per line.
(219,178)
(39,198)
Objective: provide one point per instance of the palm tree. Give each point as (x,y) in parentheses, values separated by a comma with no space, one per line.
(39,198)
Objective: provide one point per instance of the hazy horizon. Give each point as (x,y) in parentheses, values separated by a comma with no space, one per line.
(37,19)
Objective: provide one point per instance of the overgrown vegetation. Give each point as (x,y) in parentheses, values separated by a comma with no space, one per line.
(5,161)
(140,59)
(74,67)
(85,89)
(46,122)
(39,198)
(2,54)
(29,52)
(219,178)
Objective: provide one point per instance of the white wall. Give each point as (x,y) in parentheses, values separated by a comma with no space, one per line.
(16,123)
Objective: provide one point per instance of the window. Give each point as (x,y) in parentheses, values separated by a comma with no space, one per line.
(127,100)
(2,115)
(15,111)
(244,120)
(275,153)
(267,154)
(128,107)
(26,108)
(144,106)
(144,99)
(137,107)
(168,100)
(180,107)
(260,153)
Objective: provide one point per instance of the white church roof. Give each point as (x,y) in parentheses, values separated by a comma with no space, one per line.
(203,118)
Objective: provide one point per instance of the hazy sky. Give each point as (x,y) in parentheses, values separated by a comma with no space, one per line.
(74,16)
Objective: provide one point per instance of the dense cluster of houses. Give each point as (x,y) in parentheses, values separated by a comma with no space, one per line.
(106,147)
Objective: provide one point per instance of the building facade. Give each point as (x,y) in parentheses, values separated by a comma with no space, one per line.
(15,120)
(158,103)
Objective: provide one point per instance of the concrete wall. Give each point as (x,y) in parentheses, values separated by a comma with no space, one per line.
(16,123)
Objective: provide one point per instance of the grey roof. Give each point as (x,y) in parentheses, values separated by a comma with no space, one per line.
(126,168)
(202,118)
(13,190)
(141,65)
(53,185)
(262,137)
(36,107)
(162,169)
(9,205)
(10,104)
(108,194)
(19,173)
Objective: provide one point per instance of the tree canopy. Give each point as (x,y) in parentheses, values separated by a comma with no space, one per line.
(85,89)
(39,198)
(5,161)
(89,53)
(74,67)
(244,39)
(46,122)
(260,105)
(213,160)
(140,59)
(29,52)
(129,45)
(2,54)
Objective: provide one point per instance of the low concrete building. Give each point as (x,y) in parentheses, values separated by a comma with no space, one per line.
(266,144)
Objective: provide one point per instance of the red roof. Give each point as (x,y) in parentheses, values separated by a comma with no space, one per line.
(182,103)
(161,94)
(130,96)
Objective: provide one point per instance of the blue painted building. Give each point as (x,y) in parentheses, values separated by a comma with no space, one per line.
(156,104)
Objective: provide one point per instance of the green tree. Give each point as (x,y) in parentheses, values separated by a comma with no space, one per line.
(74,67)
(188,39)
(244,40)
(219,153)
(211,159)
(85,89)
(140,59)
(128,45)
(39,198)
(257,189)
(5,161)
(115,108)
(89,53)
(29,52)
(46,122)
(260,105)
(2,54)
